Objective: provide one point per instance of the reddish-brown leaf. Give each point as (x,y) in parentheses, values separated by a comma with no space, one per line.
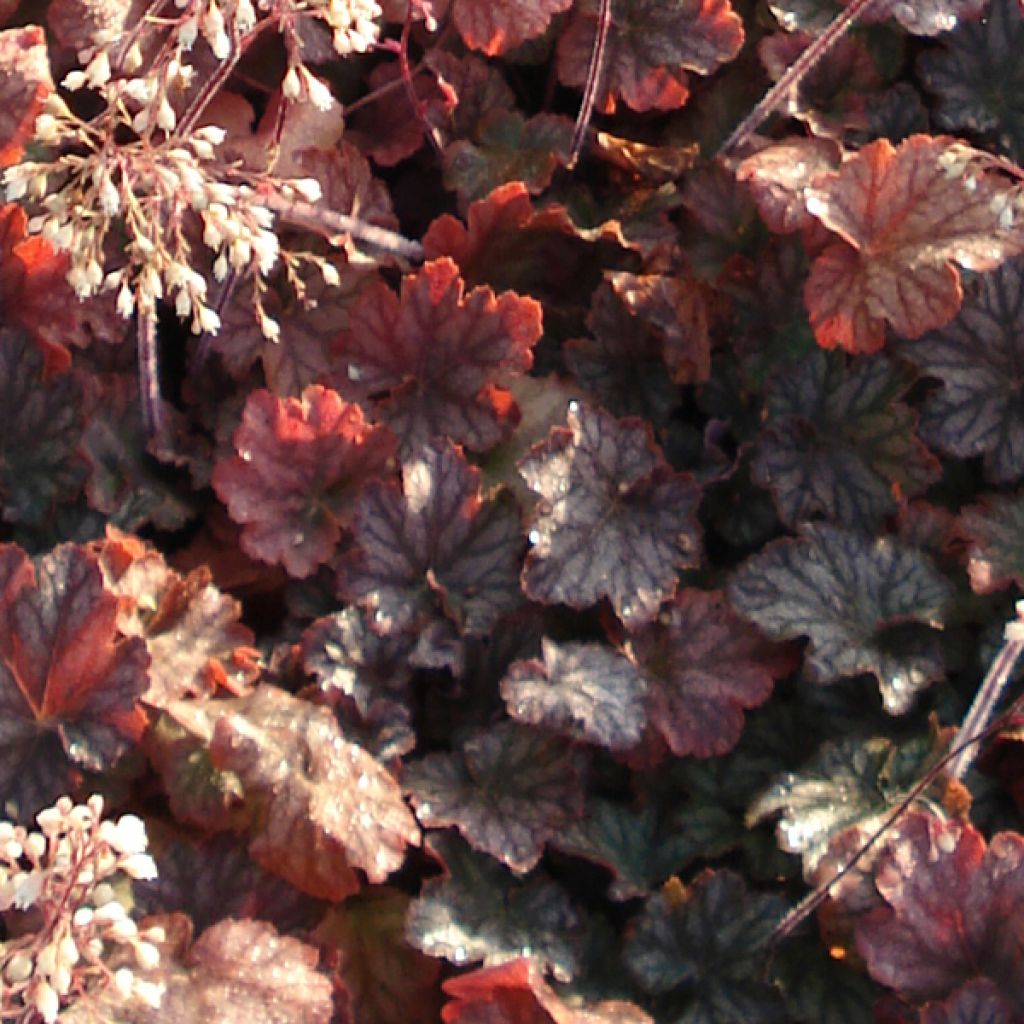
(428,362)
(300,466)
(652,44)
(905,216)
(496,26)
(69,682)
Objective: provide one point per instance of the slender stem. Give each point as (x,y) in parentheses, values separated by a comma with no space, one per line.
(988,694)
(595,71)
(331,224)
(149,374)
(795,73)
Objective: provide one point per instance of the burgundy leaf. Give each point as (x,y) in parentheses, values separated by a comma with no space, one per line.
(976,1002)
(704,666)
(496,26)
(952,911)
(994,531)
(26,84)
(299,469)
(508,791)
(429,362)
(435,549)
(584,691)
(613,520)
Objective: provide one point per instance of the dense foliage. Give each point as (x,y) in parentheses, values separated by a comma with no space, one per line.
(504,581)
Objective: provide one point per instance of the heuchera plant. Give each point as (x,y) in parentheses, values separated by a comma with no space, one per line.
(513,501)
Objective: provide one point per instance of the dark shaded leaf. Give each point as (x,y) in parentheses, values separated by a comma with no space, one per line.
(710,940)
(507,147)
(838,442)
(435,550)
(508,792)
(931,17)
(905,215)
(978,79)
(214,878)
(585,691)
(854,598)
(819,989)
(428,363)
(479,911)
(651,46)
(40,425)
(979,358)
(69,681)
(363,941)
(704,666)
(297,475)
(952,911)
(614,520)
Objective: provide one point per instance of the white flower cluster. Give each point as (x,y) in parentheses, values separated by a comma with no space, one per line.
(60,873)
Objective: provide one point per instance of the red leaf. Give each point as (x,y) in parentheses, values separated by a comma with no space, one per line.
(905,215)
(516,993)
(428,363)
(496,26)
(614,520)
(25,74)
(651,45)
(69,681)
(300,466)
(954,910)
(704,666)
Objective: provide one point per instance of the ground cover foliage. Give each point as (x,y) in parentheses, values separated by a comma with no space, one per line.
(505,583)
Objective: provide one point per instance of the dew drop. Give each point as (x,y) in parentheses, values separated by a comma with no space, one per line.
(245,455)
(354,373)
(298,538)
(574,407)
(423,811)
(535,536)
(459,954)
(946,842)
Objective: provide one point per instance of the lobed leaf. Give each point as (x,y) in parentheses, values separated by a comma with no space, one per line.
(703,666)
(429,362)
(508,791)
(480,911)
(905,215)
(497,26)
(585,691)
(69,681)
(436,552)
(295,479)
(27,82)
(951,911)
(994,531)
(855,599)
(613,520)
(978,357)
(651,46)
(838,444)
